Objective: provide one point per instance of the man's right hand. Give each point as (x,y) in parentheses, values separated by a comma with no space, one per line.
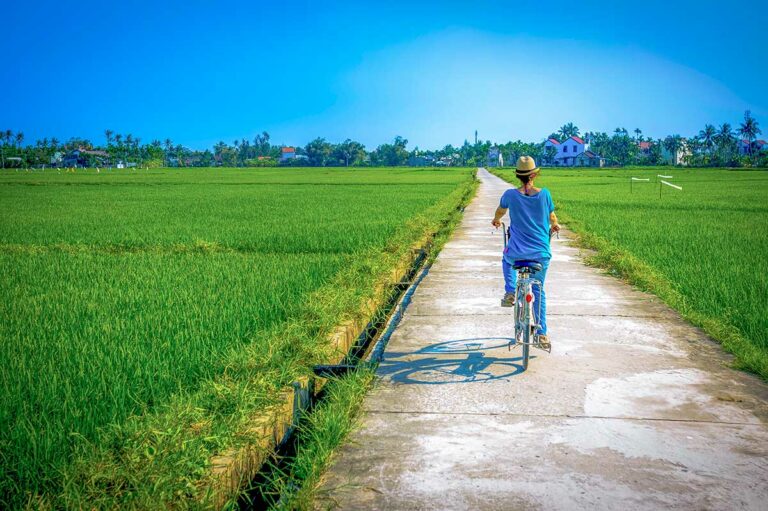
(496,223)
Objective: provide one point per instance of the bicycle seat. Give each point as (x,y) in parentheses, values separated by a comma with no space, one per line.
(533,265)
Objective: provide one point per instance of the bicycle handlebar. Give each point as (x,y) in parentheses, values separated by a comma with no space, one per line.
(505,232)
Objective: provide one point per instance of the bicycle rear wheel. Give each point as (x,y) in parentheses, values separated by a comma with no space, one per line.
(523,327)
(526,351)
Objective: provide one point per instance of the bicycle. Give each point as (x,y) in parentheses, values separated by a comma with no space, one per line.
(523,312)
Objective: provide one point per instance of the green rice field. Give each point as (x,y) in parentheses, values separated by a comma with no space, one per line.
(146,315)
(703,249)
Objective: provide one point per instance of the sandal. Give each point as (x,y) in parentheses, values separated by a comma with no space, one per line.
(508,300)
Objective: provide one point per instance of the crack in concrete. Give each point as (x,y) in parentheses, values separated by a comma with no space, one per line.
(549,314)
(560,416)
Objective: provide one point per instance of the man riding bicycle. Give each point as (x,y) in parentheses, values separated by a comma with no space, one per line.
(532,221)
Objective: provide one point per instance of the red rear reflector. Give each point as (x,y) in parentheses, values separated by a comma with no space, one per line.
(529,298)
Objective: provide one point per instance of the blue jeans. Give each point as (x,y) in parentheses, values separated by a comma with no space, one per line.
(510,281)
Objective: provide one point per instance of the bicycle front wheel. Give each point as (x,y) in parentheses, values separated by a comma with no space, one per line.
(523,327)
(526,352)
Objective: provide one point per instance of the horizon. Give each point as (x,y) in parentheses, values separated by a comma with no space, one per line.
(433,74)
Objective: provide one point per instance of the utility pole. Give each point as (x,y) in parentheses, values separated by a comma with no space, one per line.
(475,137)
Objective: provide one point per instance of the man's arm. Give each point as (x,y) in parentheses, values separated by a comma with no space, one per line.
(500,212)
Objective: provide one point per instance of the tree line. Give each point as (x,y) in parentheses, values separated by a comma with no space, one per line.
(712,146)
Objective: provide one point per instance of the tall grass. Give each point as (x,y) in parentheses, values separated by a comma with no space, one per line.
(318,436)
(90,339)
(148,316)
(702,249)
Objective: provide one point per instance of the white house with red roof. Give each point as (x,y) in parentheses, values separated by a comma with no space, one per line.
(589,159)
(757,146)
(551,149)
(573,151)
(552,142)
(569,150)
(287,153)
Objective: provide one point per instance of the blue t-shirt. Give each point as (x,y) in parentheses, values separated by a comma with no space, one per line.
(529,225)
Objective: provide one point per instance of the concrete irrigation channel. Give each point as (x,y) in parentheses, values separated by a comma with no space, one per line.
(633,409)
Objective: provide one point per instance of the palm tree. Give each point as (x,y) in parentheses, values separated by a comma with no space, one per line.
(638,134)
(245,147)
(749,129)
(108,134)
(236,143)
(179,154)
(15,140)
(707,137)
(168,146)
(725,133)
(673,144)
(694,146)
(136,149)
(568,130)
(45,153)
(119,144)
(128,146)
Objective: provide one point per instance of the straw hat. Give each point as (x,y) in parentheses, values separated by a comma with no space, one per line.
(526,166)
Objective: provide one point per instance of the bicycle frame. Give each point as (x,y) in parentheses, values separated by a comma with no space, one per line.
(526,309)
(525,319)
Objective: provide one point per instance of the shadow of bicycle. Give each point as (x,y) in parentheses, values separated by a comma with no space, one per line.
(454,361)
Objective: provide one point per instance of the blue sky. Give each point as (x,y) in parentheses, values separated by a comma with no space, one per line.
(433,72)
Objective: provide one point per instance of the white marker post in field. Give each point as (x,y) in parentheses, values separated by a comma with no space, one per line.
(663,177)
(633,179)
(662,183)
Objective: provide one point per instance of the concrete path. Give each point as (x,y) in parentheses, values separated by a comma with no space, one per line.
(633,409)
